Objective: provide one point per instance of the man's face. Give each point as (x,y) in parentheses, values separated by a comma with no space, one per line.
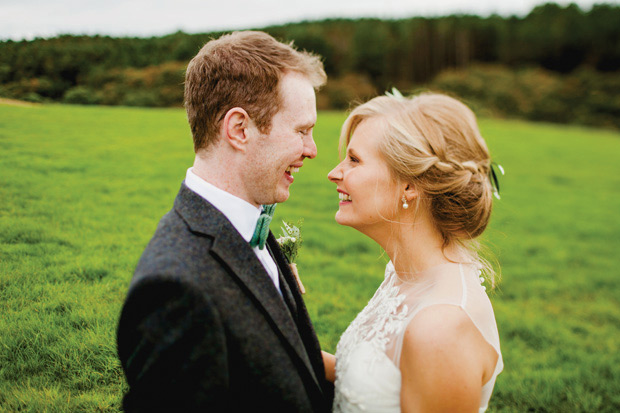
(274,157)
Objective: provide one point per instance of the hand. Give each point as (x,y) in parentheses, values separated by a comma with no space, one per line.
(329,360)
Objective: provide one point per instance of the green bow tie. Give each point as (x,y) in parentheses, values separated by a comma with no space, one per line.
(262,227)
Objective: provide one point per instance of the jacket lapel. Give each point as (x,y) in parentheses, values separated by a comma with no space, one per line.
(303,319)
(287,295)
(237,255)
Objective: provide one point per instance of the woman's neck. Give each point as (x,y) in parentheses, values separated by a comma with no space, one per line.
(415,247)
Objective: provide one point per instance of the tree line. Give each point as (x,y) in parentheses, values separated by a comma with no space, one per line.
(362,57)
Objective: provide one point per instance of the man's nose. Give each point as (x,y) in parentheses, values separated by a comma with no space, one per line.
(310,149)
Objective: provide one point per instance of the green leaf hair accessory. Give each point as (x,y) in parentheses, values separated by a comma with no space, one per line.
(290,242)
(395,93)
(493,178)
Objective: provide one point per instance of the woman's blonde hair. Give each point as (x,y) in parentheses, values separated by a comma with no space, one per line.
(432,141)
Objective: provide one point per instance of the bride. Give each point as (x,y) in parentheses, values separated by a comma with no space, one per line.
(416,179)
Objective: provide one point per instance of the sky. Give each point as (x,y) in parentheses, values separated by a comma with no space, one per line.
(27,19)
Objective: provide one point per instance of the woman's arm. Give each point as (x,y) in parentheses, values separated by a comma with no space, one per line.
(444,362)
(329,360)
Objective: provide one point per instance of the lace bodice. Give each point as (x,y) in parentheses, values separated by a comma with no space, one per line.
(368,355)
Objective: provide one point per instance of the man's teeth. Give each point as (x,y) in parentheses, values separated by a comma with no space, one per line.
(292,169)
(344,197)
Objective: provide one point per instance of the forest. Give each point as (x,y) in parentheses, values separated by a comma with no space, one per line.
(557,64)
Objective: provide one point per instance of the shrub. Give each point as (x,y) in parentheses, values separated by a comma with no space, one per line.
(33,97)
(585,96)
(341,92)
(140,98)
(81,95)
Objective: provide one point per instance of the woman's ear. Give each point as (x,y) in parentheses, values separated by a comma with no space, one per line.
(410,192)
(235,128)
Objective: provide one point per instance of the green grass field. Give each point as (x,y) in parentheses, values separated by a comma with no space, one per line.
(82,190)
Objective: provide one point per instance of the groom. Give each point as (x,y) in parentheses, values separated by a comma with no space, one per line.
(212,321)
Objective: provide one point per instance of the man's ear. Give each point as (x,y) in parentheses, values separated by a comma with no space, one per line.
(235,128)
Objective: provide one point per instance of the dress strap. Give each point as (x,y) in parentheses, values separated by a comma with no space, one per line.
(464,297)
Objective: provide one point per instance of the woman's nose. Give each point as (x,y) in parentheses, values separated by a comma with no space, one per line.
(335,174)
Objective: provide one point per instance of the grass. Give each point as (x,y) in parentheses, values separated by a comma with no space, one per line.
(82,189)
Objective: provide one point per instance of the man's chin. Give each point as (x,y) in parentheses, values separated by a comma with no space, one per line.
(277,198)
(282,197)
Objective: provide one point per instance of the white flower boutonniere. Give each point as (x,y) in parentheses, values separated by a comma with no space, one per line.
(290,242)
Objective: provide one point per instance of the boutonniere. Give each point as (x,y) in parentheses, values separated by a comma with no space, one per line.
(290,242)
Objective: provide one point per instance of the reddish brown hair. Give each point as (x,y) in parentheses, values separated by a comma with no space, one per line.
(241,69)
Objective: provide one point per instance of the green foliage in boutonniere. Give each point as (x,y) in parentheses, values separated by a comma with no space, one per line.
(290,241)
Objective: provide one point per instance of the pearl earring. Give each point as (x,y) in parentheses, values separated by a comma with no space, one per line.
(405,204)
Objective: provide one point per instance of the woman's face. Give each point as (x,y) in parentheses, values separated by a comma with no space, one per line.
(368,193)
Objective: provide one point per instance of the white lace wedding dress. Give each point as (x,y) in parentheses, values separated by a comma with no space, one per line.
(368,378)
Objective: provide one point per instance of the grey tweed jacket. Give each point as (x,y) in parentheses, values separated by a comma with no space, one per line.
(204,328)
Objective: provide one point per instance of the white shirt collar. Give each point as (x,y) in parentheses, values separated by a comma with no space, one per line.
(240,213)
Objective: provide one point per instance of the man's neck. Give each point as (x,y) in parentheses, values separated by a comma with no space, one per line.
(220,172)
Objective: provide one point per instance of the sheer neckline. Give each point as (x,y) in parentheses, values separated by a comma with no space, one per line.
(425,274)
(368,377)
